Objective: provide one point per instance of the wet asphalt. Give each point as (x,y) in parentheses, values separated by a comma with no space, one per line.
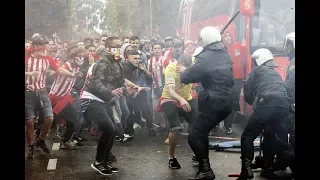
(143,158)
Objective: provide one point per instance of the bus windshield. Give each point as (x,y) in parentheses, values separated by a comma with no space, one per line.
(273,20)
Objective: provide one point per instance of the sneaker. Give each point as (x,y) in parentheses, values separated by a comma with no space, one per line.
(41,144)
(117,139)
(143,122)
(76,136)
(57,135)
(82,138)
(126,138)
(99,167)
(130,133)
(108,166)
(31,152)
(228,130)
(136,126)
(123,140)
(77,143)
(69,145)
(174,164)
(195,161)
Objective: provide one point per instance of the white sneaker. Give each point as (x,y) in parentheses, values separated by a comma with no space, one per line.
(136,126)
(69,145)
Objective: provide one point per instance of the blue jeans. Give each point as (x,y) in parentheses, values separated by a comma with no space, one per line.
(122,110)
(37,101)
(77,103)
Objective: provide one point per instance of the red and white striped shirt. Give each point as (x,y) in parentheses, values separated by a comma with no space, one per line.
(155,66)
(40,64)
(63,85)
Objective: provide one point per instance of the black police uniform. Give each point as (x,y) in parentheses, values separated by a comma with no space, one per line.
(213,69)
(266,92)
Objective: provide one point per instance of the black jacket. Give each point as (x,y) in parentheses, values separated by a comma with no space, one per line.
(133,73)
(130,71)
(79,83)
(264,82)
(106,76)
(290,79)
(213,69)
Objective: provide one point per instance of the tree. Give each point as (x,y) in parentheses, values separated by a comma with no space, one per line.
(63,16)
(123,17)
(46,17)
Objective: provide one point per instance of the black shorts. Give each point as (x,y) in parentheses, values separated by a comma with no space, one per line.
(173,114)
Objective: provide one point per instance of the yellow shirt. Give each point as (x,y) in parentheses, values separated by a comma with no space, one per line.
(172,78)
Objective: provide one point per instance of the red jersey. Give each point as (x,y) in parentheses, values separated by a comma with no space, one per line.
(40,64)
(63,85)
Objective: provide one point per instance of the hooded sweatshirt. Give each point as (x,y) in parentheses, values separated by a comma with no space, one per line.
(122,51)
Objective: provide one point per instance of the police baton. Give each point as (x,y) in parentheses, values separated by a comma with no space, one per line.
(230,21)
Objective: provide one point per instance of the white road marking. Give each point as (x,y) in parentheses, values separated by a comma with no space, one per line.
(52,164)
(55,146)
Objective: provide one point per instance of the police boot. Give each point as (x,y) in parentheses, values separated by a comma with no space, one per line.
(205,172)
(246,171)
(268,171)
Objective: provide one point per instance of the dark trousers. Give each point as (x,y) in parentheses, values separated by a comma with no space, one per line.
(229,120)
(269,119)
(136,106)
(101,114)
(79,122)
(69,114)
(206,120)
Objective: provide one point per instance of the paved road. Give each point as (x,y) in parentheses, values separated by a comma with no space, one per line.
(144,158)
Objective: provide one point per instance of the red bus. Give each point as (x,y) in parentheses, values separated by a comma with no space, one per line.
(260,24)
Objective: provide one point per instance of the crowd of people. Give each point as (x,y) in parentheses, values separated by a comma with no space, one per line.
(111,85)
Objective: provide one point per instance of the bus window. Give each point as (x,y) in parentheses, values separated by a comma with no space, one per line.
(271,24)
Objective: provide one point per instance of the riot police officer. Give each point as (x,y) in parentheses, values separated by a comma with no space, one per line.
(287,157)
(213,69)
(289,46)
(266,92)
